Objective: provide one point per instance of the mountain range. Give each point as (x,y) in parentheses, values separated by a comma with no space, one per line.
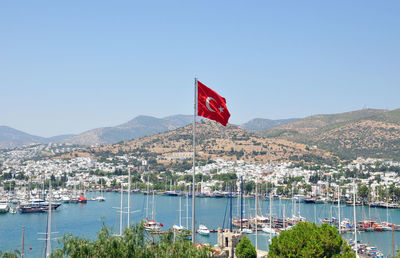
(138,127)
(363,133)
(11,138)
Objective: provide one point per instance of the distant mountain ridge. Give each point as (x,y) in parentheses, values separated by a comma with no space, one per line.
(11,138)
(371,133)
(138,127)
(261,124)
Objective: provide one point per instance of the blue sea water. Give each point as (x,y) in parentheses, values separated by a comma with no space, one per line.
(86,220)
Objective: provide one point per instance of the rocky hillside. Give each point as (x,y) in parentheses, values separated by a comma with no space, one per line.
(215,141)
(366,133)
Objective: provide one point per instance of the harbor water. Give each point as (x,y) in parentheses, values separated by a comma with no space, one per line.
(85,220)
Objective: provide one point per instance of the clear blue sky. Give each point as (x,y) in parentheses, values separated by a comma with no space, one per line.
(70,66)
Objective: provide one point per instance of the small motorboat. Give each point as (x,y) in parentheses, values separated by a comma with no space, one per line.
(203,230)
(178,227)
(100,198)
(13,210)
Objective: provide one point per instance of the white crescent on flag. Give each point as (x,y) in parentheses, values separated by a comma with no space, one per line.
(208,103)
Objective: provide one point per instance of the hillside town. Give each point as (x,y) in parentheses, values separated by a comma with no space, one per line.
(378,180)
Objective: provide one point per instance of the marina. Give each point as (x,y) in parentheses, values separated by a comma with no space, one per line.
(85,219)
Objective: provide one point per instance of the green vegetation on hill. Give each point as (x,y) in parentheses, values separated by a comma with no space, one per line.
(367,133)
(260,124)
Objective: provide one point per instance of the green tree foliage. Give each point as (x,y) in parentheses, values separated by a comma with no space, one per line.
(245,249)
(135,242)
(363,191)
(309,240)
(226,177)
(13,254)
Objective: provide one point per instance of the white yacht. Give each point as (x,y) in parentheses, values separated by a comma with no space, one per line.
(178,227)
(203,230)
(100,198)
(4,206)
(268,230)
(247,230)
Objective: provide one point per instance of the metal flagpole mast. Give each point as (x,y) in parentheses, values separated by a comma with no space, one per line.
(194,164)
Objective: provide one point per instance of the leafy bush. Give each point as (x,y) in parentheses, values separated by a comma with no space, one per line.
(309,240)
(245,249)
(135,242)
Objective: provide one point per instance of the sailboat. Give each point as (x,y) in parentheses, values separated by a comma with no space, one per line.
(244,222)
(151,224)
(170,192)
(82,198)
(269,229)
(179,226)
(100,198)
(247,229)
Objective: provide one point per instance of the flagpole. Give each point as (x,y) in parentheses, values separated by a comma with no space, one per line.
(194,165)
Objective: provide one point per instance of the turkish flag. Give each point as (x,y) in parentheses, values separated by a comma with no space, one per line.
(211,105)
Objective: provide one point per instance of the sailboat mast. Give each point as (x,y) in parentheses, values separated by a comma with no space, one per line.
(293,204)
(121,211)
(129,195)
(284,216)
(23,242)
(387,205)
(187,208)
(180,211)
(152,212)
(241,203)
(48,238)
(256,214)
(355,219)
(230,207)
(270,216)
(338,201)
(147,198)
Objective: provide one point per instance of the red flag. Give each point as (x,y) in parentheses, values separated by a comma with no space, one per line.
(211,105)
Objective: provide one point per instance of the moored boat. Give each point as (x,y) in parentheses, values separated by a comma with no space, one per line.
(82,199)
(4,207)
(203,230)
(152,225)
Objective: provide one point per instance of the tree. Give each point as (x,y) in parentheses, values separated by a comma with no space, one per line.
(249,186)
(245,249)
(363,191)
(309,240)
(135,242)
(13,254)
